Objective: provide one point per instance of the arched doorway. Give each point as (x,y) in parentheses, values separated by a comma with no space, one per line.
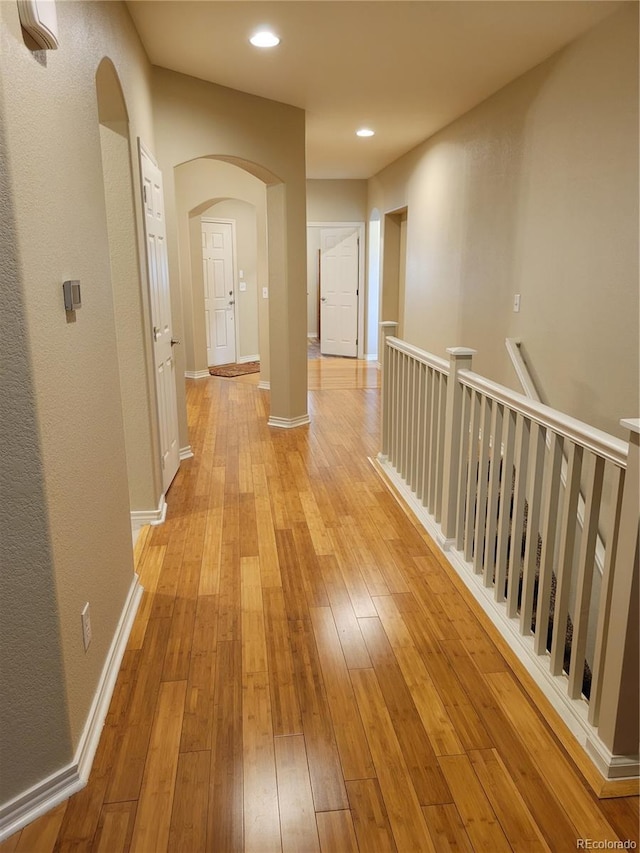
(131,303)
(199,184)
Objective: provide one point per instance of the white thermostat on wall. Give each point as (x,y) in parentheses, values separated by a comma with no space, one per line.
(39,19)
(71,290)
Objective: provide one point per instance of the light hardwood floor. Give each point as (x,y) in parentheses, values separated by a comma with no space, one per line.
(304,674)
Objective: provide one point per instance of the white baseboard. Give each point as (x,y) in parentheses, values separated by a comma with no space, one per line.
(66,781)
(289,423)
(196,374)
(186,452)
(612,766)
(573,712)
(245,359)
(264,385)
(141,517)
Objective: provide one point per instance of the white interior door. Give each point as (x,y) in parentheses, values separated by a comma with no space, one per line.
(339,275)
(164,363)
(219,291)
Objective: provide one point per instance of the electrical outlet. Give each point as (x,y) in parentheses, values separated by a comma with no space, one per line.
(86,625)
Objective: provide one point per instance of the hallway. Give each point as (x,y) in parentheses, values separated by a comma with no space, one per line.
(304,674)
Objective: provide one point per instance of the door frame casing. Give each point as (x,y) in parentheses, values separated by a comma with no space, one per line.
(234,270)
(361,270)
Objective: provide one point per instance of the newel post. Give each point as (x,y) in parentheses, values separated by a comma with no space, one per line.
(619,709)
(388,328)
(459,359)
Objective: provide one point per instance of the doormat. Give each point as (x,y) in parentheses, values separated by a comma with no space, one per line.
(231,370)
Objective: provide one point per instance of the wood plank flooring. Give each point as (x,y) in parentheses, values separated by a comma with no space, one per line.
(304,674)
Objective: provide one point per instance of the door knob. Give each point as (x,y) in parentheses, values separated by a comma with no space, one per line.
(232,302)
(323,299)
(156,333)
(174,341)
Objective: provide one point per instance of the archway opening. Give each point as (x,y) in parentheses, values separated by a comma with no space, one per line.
(130,301)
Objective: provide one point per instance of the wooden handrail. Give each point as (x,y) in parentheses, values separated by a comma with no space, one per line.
(607,446)
(521,369)
(420,355)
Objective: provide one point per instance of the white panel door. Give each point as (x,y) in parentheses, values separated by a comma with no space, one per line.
(219,291)
(339,274)
(160,296)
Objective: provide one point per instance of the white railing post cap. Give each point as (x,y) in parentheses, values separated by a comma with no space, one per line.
(632,424)
(461,352)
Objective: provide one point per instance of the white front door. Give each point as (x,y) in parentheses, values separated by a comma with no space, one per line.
(158,270)
(339,275)
(219,291)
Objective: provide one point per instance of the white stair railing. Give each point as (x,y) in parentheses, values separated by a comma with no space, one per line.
(530,390)
(481,465)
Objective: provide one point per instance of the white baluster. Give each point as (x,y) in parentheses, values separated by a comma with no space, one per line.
(506,486)
(550,499)
(433,437)
(427,435)
(395,411)
(536,468)
(494,492)
(523,432)
(406,424)
(483,484)
(606,592)
(463,463)
(586,562)
(472,477)
(411,414)
(568,525)
(439,474)
(421,370)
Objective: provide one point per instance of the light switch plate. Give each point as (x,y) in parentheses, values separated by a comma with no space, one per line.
(72,297)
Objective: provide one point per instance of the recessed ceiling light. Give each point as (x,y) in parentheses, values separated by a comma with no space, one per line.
(365,131)
(264,38)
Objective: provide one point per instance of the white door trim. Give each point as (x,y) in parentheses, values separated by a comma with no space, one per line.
(361,264)
(234,270)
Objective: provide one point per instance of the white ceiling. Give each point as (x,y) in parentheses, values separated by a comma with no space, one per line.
(405,69)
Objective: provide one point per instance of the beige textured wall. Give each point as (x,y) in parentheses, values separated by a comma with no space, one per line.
(198,183)
(336,201)
(65,496)
(535,192)
(268,138)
